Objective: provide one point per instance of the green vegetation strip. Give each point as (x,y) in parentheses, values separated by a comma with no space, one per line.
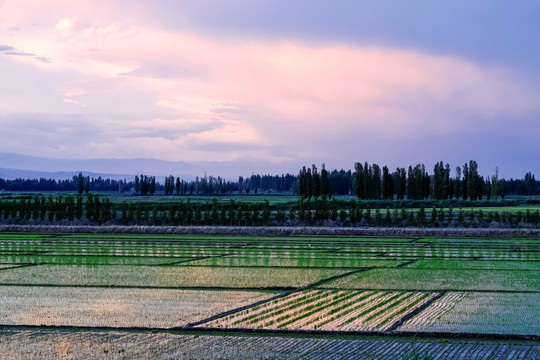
(438,280)
(475,264)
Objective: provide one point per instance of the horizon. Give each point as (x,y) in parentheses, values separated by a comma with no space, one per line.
(273,84)
(25,166)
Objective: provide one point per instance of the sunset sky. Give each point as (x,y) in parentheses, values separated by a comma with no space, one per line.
(275,82)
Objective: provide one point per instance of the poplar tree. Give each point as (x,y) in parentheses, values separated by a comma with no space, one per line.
(324,182)
(80,183)
(359,180)
(316,179)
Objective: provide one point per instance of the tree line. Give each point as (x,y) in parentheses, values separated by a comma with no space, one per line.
(95,210)
(148,185)
(367,182)
(78,183)
(372,182)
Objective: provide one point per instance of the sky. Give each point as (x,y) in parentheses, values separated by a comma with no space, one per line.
(276,83)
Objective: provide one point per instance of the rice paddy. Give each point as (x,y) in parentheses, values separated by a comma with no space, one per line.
(324,286)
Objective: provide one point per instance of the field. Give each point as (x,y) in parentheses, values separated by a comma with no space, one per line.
(67,295)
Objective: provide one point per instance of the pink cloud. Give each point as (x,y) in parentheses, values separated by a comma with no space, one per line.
(282,91)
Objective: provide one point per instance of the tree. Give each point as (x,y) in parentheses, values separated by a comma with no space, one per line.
(316,179)
(325,190)
(80,183)
(388,184)
(441,181)
(376,182)
(473,180)
(359,180)
(153,185)
(137,185)
(465,187)
(309,184)
(495,184)
(87,185)
(529,183)
(457,182)
(400,180)
(178,186)
(79,207)
(418,182)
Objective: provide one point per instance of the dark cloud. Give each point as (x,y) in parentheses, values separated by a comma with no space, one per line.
(19,53)
(490,31)
(10,50)
(42,59)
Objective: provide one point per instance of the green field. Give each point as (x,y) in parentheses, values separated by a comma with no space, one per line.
(323,284)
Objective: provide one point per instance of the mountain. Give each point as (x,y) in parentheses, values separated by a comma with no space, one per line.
(25,166)
(11,174)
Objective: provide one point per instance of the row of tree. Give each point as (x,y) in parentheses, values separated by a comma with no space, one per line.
(93,209)
(78,183)
(371,182)
(367,182)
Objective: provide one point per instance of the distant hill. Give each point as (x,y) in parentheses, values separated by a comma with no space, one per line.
(11,174)
(17,165)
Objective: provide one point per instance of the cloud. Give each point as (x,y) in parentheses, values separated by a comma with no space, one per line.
(75,102)
(11,51)
(42,59)
(163,71)
(18,53)
(183,94)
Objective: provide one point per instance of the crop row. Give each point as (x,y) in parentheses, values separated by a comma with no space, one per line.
(86,344)
(284,251)
(10,260)
(437,309)
(498,313)
(69,306)
(329,310)
(164,276)
(405,278)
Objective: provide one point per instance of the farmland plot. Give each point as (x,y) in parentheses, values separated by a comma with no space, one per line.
(274,261)
(164,276)
(162,308)
(7,266)
(465,253)
(329,310)
(311,283)
(475,264)
(115,250)
(88,260)
(488,313)
(441,279)
(16,344)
